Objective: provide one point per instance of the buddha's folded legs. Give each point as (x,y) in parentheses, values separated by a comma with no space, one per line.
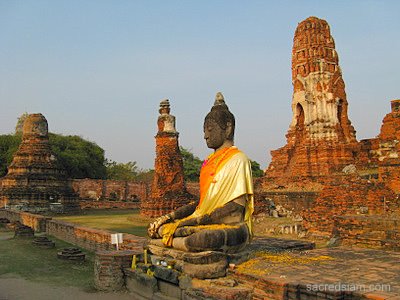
(226,239)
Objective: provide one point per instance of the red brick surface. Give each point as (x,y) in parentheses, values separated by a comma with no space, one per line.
(168,191)
(303,155)
(349,195)
(120,190)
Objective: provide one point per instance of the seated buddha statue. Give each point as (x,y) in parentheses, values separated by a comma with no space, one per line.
(222,218)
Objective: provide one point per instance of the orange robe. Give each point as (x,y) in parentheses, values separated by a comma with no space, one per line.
(224,176)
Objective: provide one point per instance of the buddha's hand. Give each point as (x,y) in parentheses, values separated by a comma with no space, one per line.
(153,227)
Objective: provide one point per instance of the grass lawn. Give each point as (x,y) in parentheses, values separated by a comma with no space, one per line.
(115,220)
(20,258)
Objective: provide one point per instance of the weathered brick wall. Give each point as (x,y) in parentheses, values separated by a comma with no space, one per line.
(294,201)
(110,189)
(89,238)
(36,222)
(88,188)
(85,237)
(371,231)
(367,157)
(390,174)
(349,195)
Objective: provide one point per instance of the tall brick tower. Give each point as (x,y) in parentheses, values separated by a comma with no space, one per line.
(320,139)
(168,191)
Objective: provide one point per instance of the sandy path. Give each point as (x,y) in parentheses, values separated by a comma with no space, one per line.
(17,288)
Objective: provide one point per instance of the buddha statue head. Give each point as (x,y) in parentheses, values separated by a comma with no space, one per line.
(219,124)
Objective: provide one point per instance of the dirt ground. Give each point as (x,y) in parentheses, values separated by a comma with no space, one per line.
(17,288)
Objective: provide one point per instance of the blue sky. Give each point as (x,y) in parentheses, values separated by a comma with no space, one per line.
(99,69)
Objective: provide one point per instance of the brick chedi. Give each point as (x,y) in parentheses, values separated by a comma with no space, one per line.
(320,139)
(389,148)
(168,191)
(35,182)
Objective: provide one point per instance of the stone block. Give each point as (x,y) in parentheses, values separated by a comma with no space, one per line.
(166,274)
(192,295)
(160,296)
(140,283)
(213,270)
(185,282)
(169,289)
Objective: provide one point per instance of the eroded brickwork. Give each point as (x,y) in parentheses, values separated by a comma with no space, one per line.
(168,191)
(320,139)
(322,154)
(381,231)
(348,195)
(34,178)
(117,190)
(389,148)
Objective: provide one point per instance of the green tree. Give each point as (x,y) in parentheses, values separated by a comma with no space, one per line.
(8,145)
(191,165)
(121,171)
(145,176)
(255,169)
(79,157)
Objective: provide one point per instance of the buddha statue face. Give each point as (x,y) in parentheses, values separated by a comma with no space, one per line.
(214,134)
(219,126)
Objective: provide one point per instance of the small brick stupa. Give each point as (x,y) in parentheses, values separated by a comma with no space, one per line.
(320,139)
(35,182)
(168,191)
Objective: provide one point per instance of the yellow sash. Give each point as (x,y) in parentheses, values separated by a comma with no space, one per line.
(220,183)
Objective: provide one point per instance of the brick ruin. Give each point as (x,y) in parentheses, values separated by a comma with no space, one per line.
(168,191)
(388,152)
(35,181)
(372,191)
(320,139)
(110,190)
(322,155)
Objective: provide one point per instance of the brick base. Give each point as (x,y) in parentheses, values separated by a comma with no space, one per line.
(108,269)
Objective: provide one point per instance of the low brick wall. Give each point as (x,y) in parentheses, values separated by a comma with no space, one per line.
(349,195)
(89,238)
(93,204)
(85,237)
(36,222)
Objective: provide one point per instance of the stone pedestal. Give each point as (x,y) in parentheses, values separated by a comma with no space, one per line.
(22,231)
(43,242)
(202,265)
(73,254)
